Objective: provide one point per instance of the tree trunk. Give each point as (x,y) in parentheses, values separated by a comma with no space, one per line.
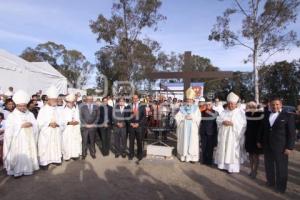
(256,78)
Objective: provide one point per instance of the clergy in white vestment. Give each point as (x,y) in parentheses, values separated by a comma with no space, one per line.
(20,139)
(188,120)
(50,125)
(232,123)
(71,137)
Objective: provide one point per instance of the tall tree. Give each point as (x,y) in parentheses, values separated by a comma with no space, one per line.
(264,30)
(71,63)
(281,79)
(125,54)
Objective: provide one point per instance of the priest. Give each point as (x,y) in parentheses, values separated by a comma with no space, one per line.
(20,150)
(231,123)
(71,137)
(188,120)
(50,125)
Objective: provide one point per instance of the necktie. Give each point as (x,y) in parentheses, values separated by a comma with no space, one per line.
(90,108)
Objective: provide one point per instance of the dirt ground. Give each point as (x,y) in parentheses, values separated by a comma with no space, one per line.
(111,178)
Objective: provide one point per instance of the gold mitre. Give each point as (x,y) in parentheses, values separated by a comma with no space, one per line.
(190,93)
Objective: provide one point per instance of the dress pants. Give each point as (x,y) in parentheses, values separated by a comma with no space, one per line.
(136,133)
(88,140)
(207,146)
(105,140)
(120,140)
(276,166)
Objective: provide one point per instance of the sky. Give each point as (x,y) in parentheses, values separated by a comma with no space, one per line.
(26,23)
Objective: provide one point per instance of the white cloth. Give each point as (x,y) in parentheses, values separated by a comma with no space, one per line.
(230,151)
(20,146)
(219,108)
(49,140)
(188,135)
(2,129)
(71,137)
(174,108)
(40,104)
(111,102)
(6,113)
(273,117)
(9,93)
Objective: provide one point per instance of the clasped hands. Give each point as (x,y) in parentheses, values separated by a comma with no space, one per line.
(26,125)
(188,117)
(227,123)
(134,125)
(73,123)
(120,125)
(53,125)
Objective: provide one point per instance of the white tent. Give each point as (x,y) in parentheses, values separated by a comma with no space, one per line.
(32,77)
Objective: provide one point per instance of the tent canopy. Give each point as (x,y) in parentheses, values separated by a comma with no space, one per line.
(31,77)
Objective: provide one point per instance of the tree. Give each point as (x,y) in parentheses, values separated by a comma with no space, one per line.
(240,83)
(71,63)
(76,68)
(263,30)
(170,63)
(126,56)
(281,79)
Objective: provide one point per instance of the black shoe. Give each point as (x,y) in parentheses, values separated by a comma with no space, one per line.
(93,156)
(140,158)
(56,164)
(83,157)
(269,184)
(117,156)
(123,155)
(279,191)
(44,167)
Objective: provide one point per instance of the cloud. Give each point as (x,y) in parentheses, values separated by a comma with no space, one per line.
(18,36)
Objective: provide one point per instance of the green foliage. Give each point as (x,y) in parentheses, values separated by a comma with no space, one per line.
(240,83)
(71,63)
(125,55)
(281,79)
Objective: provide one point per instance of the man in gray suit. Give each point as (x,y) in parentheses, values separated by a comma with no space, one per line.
(89,116)
(120,114)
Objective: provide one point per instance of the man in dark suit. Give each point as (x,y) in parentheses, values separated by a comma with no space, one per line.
(208,133)
(89,116)
(120,114)
(105,124)
(277,137)
(135,125)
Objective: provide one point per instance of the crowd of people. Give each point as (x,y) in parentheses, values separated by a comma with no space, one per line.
(48,128)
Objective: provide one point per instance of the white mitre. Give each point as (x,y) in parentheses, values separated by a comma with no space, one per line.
(52,93)
(8,93)
(232,97)
(202,99)
(21,97)
(70,98)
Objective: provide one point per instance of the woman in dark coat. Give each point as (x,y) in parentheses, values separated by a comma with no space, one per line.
(254,120)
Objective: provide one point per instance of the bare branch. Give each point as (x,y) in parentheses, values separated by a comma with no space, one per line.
(270,55)
(241,8)
(242,44)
